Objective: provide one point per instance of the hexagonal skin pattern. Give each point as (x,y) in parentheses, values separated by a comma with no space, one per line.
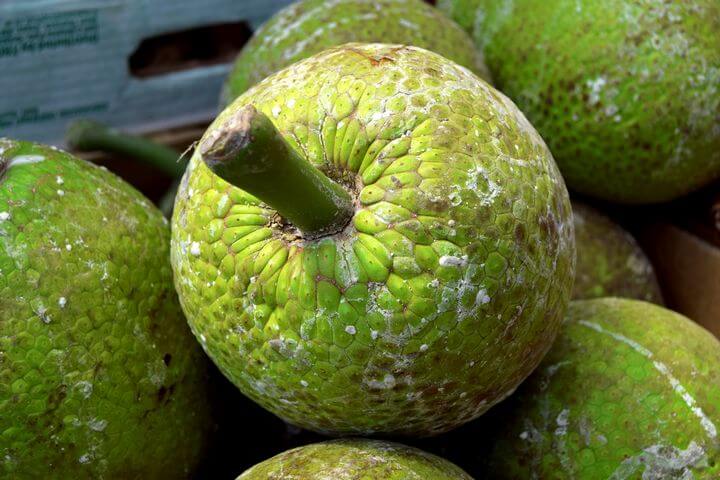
(99,375)
(311,26)
(610,263)
(630,390)
(443,292)
(624,92)
(355,459)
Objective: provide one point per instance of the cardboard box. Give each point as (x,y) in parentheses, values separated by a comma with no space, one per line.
(682,240)
(688,268)
(134,64)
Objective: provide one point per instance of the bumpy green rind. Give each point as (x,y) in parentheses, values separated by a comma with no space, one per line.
(443,293)
(630,390)
(310,26)
(355,459)
(610,263)
(624,92)
(99,375)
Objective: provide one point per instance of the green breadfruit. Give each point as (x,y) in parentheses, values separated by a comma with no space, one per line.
(417,258)
(610,263)
(308,27)
(630,390)
(355,459)
(626,93)
(99,375)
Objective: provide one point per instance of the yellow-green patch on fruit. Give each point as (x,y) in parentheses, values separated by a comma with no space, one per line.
(99,375)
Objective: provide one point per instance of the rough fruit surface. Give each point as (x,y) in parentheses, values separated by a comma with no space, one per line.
(630,390)
(624,92)
(308,27)
(439,297)
(610,263)
(99,375)
(355,459)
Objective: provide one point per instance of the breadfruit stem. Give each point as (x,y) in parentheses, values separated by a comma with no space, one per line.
(250,153)
(86,135)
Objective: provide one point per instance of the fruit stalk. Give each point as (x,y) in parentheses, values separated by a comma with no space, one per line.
(250,153)
(87,135)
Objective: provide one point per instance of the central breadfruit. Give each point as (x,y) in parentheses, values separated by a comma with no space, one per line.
(410,260)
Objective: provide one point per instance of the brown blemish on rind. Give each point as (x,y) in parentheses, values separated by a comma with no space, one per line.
(375,60)
(284,230)
(348,179)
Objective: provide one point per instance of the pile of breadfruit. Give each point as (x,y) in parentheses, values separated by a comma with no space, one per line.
(375,240)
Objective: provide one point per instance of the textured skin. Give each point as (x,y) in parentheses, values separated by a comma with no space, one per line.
(99,375)
(440,296)
(311,26)
(624,92)
(610,263)
(355,459)
(630,390)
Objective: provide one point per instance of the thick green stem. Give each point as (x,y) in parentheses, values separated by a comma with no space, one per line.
(250,153)
(85,135)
